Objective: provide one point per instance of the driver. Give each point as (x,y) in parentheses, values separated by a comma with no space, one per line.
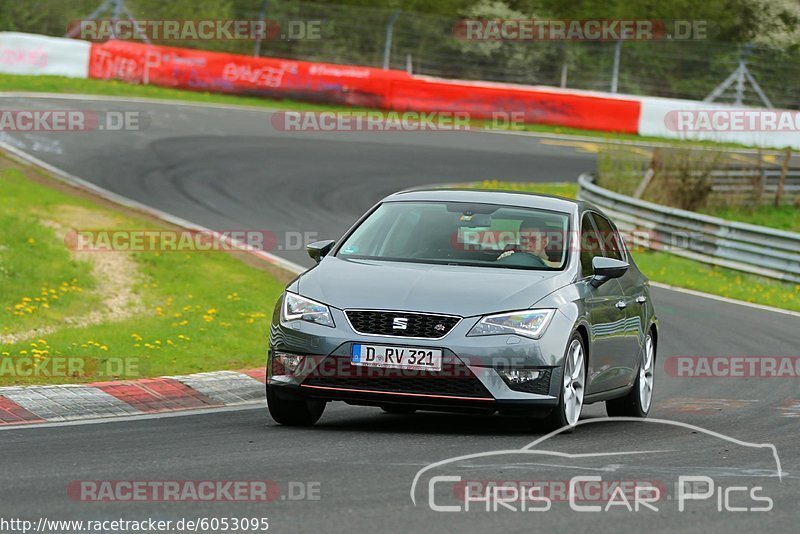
(534,240)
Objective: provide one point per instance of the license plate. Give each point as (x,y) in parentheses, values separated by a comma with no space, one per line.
(397,357)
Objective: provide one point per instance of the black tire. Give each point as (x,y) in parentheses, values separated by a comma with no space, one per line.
(291,412)
(557,419)
(399,409)
(631,404)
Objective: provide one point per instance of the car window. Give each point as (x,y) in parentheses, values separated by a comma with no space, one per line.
(484,235)
(609,237)
(590,245)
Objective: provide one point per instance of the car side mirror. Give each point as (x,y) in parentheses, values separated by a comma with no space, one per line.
(607,268)
(319,249)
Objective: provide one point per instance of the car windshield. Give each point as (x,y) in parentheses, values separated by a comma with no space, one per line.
(459,233)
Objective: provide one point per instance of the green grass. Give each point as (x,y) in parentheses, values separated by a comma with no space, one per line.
(559,189)
(197,311)
(61,84)
(681,272)
(40,283)
(782,218)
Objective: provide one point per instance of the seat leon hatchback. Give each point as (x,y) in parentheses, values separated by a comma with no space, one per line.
(467,300)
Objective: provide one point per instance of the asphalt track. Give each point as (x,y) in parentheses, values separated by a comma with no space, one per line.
(228,169)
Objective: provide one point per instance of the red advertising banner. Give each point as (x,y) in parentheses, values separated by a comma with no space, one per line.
(356,86)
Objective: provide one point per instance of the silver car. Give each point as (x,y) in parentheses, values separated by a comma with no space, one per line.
(467,300)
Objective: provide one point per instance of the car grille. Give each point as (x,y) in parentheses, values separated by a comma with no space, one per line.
(455,379)
(418,325)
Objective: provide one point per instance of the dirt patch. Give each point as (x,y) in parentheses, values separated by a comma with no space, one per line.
(115,273)
(39,176)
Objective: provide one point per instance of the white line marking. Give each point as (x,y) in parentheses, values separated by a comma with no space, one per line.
(110,196)
(727,300)
(129,418)
(190,103)
(289,266)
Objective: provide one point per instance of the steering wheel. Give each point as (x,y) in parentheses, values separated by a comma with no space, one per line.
(523,259)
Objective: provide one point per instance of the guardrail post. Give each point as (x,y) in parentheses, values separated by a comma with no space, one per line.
(782,180)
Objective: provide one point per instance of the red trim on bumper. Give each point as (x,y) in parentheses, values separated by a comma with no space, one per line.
(370,391)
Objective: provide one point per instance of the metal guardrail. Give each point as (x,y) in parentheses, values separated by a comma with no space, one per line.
(744,247)
(747,180)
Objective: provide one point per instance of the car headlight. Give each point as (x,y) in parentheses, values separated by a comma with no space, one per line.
(528,323)
(300,308)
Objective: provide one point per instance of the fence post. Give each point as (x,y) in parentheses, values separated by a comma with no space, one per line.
(262,15)
(649,174)
(782,180)
(615,71)
(758,181)
(387,47)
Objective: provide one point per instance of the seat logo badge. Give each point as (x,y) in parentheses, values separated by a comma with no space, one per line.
(400,323)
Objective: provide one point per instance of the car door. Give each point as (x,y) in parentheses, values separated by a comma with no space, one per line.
(632,286)
(606,313)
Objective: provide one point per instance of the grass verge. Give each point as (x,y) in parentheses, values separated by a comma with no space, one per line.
(681,272)
(117,314)
(783,217)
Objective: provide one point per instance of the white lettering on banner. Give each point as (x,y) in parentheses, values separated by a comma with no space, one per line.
(260,76)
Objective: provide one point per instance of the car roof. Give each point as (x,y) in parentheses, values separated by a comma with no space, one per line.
(518,199)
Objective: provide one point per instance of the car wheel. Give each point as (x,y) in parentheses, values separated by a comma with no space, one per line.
(573,385)
(292,412)
(398,409)
(639,399)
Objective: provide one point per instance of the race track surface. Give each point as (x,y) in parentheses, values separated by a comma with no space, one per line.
(229,169)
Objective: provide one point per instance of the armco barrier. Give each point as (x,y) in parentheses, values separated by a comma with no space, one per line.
(23,53)
(357,86)
(744,247)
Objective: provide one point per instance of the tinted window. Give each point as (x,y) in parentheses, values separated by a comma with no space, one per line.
(609,236)
(590,245)
(461,233)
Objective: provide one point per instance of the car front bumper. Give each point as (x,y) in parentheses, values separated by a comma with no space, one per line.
(471,368)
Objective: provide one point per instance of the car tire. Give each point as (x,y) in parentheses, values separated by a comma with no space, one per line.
(639,400)
(573,384)
(398,409)
(290,412)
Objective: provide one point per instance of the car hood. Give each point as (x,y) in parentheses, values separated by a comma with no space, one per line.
(447,289)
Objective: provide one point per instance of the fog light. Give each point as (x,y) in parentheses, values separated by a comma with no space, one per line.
(527,380)
(520,376)
(286,364)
